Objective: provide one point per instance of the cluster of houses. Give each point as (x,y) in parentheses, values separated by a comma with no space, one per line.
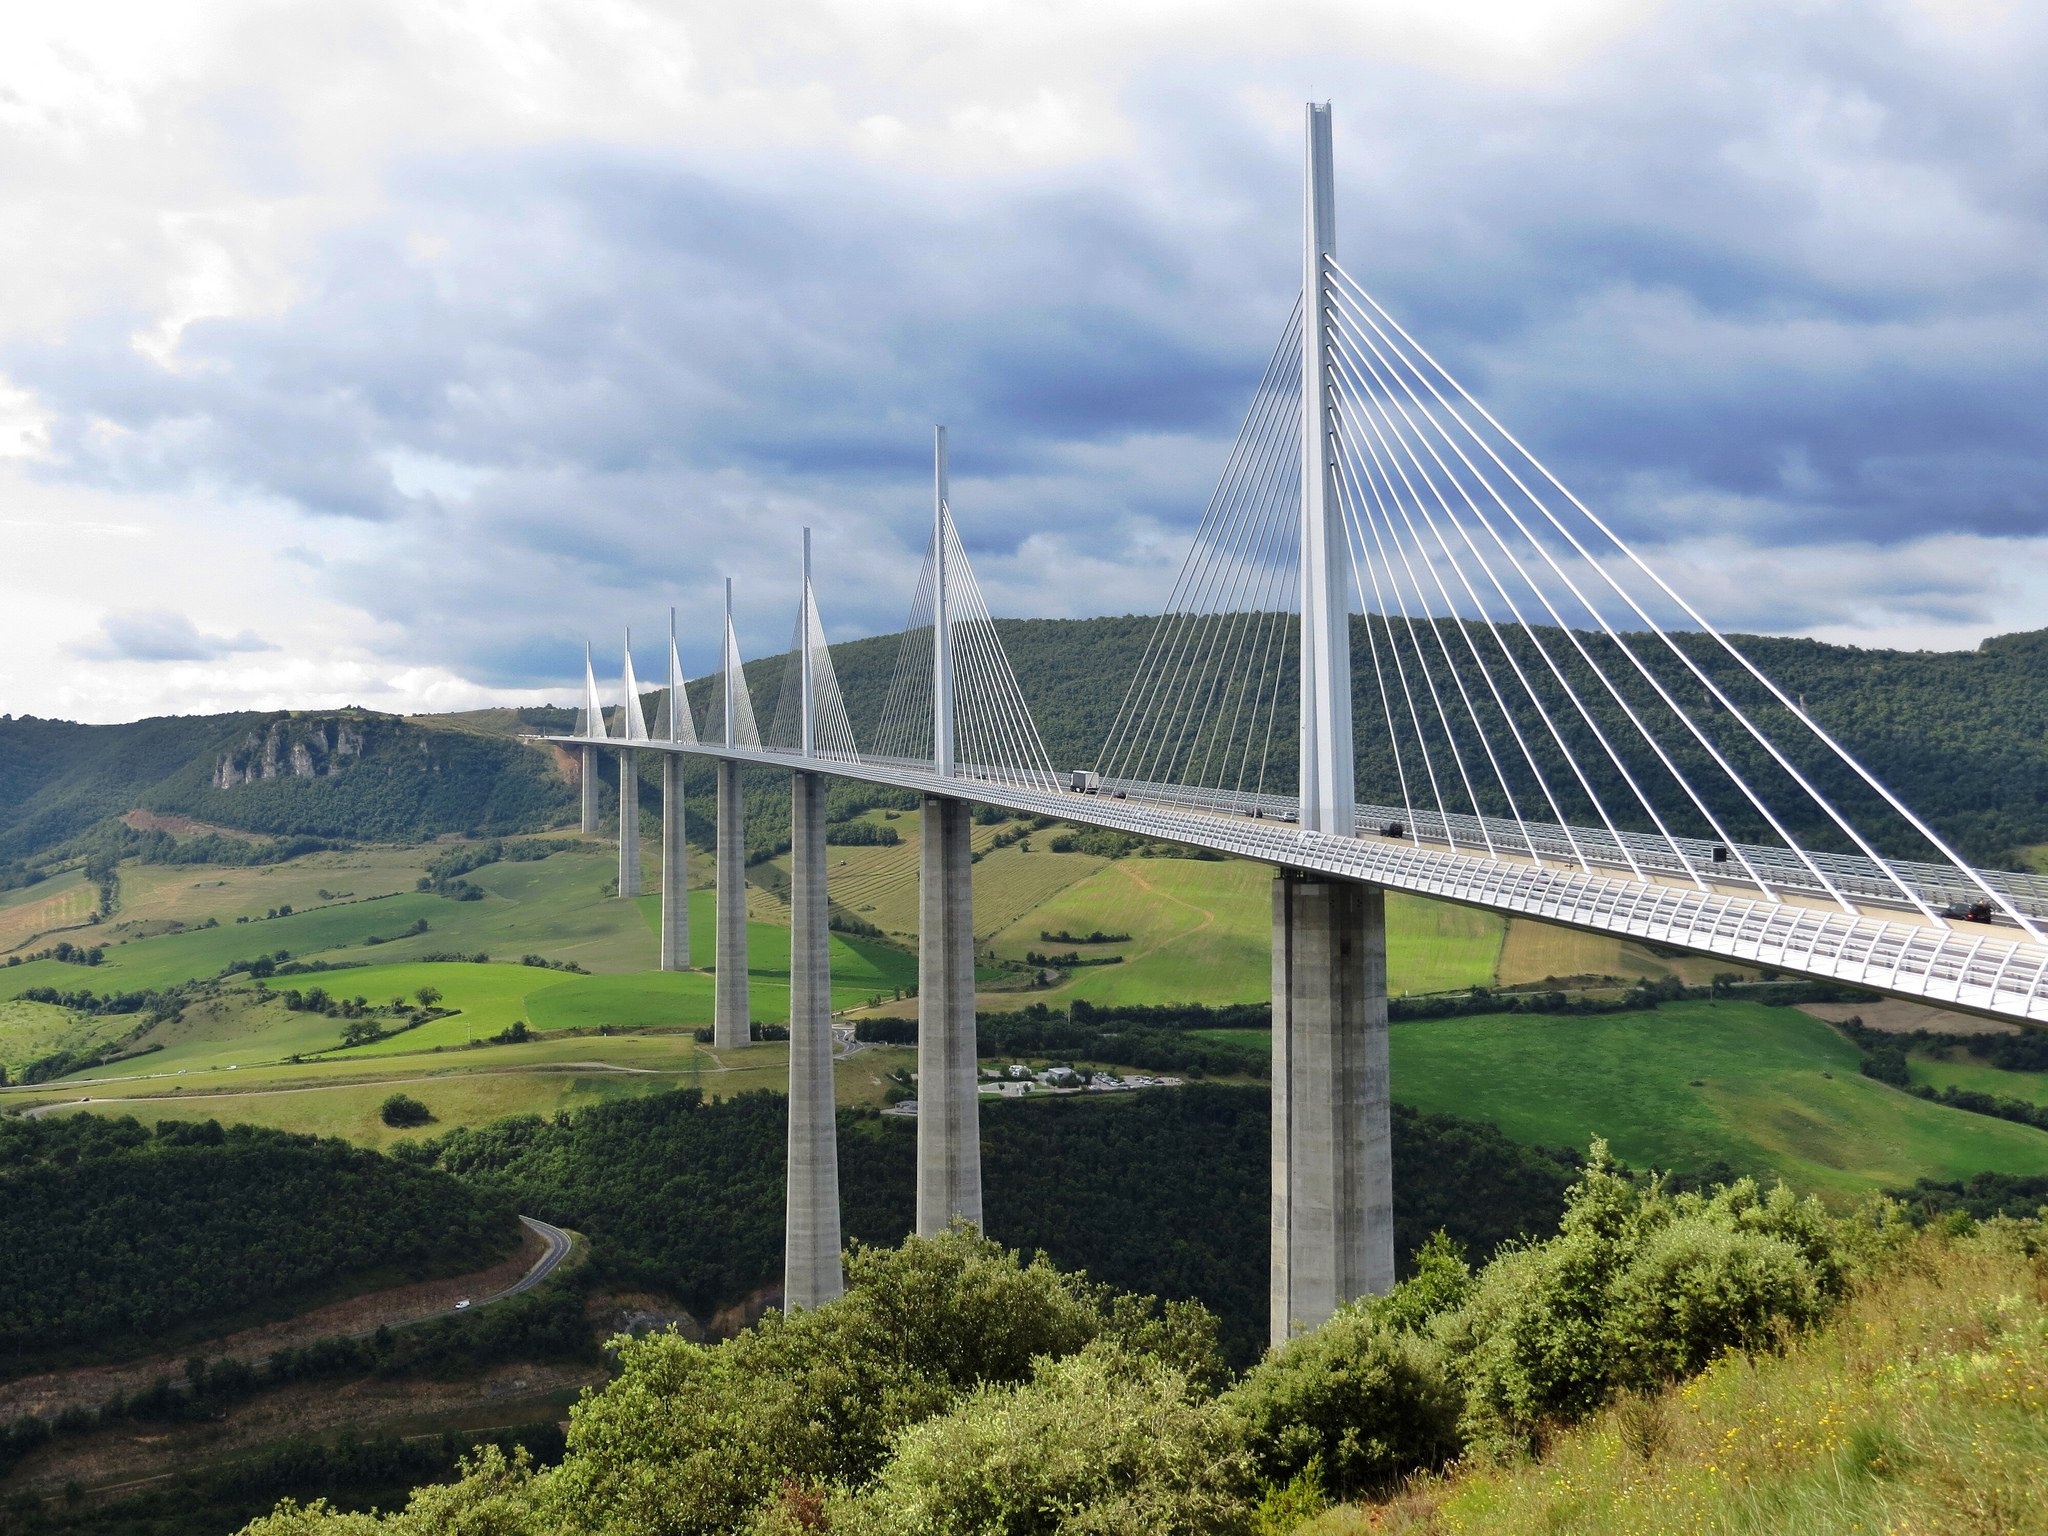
(1017,1080)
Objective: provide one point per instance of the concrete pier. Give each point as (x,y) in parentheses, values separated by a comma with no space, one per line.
(629,824)
(731,1023)
(1333,1201)
(948,1101)
(675,868)
(811,1272)
(589,789)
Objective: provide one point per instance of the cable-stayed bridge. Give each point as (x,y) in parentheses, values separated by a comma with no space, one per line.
(1386,590)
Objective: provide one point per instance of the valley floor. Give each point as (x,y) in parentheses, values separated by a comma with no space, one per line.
(1691,1086)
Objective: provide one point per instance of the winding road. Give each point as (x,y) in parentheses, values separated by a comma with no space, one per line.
(558,1250)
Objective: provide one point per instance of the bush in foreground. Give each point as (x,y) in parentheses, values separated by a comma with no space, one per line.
(1922,1406)
(957,1389)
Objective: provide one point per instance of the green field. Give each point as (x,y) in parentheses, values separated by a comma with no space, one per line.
(1198,931)
(1977,1077)
(879,884)
(1534,951)
(59,904)
(340,1097)
(192,893)
(556,907)
(236,1030)
(30,1030)
(1201,931)
(1767,1090)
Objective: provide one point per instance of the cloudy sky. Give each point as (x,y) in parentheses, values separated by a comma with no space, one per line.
(379,352)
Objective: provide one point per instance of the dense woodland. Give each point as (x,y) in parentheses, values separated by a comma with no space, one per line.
(118,1235)
(1164,1191)
(352,1472)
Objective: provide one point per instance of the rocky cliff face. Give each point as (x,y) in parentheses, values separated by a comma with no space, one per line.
(294,747)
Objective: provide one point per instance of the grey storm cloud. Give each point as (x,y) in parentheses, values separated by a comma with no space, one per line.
(1754,271)
(158,634)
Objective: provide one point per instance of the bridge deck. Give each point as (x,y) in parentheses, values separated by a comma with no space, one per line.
(1970,966)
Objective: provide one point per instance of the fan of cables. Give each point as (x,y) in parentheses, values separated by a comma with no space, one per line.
(994,736)
(831,731)
(1209,719)
(730,684)
(1523,683)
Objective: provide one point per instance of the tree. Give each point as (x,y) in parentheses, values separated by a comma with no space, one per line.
(428,996)
(360,1032)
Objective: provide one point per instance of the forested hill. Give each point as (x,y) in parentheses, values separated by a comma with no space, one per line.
(117,1235)
(1961,735)
(338,774)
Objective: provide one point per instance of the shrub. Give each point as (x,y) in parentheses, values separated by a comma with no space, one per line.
(1534,1339)
(1102,1441)
(1698,1290)
(1367,1401)
(403,1110)
(691,1439)
(1638,1286)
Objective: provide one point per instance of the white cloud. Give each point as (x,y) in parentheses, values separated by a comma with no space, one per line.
(420,337)
(161,634)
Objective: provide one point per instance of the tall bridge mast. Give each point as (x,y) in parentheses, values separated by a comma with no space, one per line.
(1327,781)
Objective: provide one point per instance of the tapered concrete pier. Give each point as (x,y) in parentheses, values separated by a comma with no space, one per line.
(675,868)
(731,1024)
(948,1103)
(629,824)
(1333,1193)
(811,1272)
(588,787)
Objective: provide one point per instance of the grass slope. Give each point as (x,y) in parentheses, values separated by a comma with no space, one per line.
(1201,931)
(880,884)
(1922,1408)
(1777,1091)
(239,1031)
(340,1097)
(1979,1077)
(1534,951)
(1689,1085)
(191,893)
(32,1030)
(61,902)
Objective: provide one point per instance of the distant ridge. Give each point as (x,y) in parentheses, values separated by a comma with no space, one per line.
(1962,735)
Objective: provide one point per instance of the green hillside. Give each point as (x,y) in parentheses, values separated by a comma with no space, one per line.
(1691,1085)
(1917,1408)
(1961,735)
(1700,1085)
(346,774)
